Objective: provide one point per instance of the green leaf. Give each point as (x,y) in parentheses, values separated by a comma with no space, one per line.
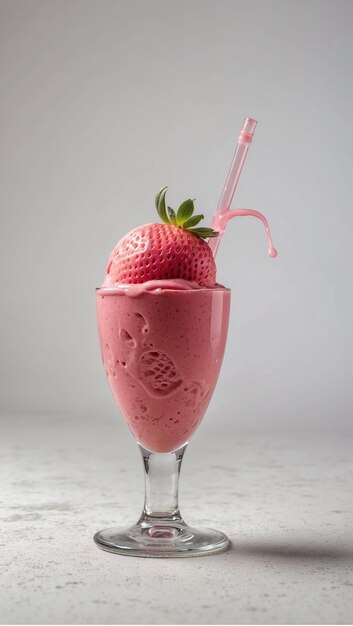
(157,197)
(183,218)
(204,233)
(160,205)
(172,216)
(185,211)
(193,221)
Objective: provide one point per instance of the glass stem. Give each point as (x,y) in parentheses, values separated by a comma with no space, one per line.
(162,471)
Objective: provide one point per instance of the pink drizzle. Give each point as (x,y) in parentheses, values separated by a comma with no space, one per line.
(221,219)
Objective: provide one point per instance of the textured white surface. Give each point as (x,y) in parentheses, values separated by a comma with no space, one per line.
(285,499)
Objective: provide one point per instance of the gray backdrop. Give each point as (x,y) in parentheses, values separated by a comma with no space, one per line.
(105,101)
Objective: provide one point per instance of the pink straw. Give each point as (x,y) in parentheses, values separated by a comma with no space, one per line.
(244,141)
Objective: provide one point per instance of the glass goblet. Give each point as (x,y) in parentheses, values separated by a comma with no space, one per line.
(162,351)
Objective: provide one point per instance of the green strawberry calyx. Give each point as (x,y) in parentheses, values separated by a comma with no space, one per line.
(184,217)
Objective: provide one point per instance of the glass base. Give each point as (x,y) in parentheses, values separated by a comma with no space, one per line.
(162,539)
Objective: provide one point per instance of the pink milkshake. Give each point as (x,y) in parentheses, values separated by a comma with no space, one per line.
(163,324)
(162,352)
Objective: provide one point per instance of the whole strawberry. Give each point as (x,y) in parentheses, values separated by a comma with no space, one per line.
(174,249)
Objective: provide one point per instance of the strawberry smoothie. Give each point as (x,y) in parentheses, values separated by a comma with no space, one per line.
(163,324)
(162,346)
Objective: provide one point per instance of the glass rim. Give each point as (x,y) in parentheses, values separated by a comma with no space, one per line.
(114,290)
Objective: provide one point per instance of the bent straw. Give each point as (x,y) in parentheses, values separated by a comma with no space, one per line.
(244,141)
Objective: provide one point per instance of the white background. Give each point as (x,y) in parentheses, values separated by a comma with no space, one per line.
(102,103)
